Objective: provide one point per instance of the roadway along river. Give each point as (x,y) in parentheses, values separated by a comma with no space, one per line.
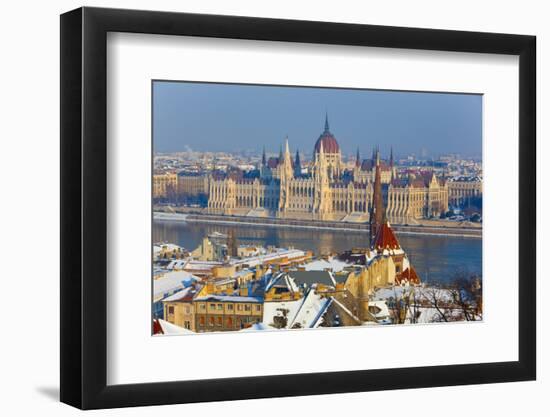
(436,258)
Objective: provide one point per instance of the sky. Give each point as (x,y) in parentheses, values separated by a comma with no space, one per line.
(237,117)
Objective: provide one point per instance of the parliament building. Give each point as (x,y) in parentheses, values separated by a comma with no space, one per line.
(324,188)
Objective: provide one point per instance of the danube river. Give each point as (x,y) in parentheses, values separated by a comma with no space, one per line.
(436,258)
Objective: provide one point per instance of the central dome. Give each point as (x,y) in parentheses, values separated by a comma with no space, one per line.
(330,144)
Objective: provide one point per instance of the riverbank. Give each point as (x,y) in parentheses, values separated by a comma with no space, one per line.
(475,233)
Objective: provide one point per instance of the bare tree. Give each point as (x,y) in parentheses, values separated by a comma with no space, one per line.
(399,305)
(435,298)
(460,300)
(414,305)
(466,291)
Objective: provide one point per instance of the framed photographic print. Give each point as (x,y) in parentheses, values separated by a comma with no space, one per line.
(258,208)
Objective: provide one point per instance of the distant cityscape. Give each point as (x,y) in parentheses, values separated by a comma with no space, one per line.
(323,186)
(225,284)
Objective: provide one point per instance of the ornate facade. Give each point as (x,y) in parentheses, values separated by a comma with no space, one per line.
(164,184)
(324,189)
(462,189)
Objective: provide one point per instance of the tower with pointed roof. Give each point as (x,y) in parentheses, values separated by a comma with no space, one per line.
(287,162)
(377,208)
(357,166)
(321,185)
(264,169)
(392,166)
(297,165)
(286,175)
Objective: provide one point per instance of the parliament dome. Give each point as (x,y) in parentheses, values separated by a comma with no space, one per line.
(330,144)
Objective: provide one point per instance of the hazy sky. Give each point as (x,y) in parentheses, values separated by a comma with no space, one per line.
(225,117)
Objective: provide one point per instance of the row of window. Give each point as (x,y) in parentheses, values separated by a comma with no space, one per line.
(218,321)
(219,306)
(230,307)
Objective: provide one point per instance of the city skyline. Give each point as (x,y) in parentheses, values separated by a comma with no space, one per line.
(252,240)
(235,117)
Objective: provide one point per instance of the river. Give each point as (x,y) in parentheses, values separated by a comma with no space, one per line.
(436,258)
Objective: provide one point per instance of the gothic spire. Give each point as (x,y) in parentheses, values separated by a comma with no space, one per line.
(326,122)
(377,214)
(287,149)
(297,165)
(264,159)
(357,158)
(391,156)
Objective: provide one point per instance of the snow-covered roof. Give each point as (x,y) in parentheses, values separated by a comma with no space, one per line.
(333,264)
(171,329)
(177,264)
(171,281)
(230,298)
(282,280)
(271,256)
(307,311)
(167,246)
(275,309)
(311,311)
(201,265)
(242,272)
(187,292)
(465,178)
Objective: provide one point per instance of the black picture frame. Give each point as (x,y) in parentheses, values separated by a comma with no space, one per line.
(84,207)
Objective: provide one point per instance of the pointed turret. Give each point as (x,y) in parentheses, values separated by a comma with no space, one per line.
(284,167)
(385,238)
(287,149)
(297,165)
(357,158)
(264,159)
(321,165)
(327,128)
(392,170)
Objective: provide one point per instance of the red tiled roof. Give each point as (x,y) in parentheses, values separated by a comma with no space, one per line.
(386,239)
(157,328)
(408,275)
